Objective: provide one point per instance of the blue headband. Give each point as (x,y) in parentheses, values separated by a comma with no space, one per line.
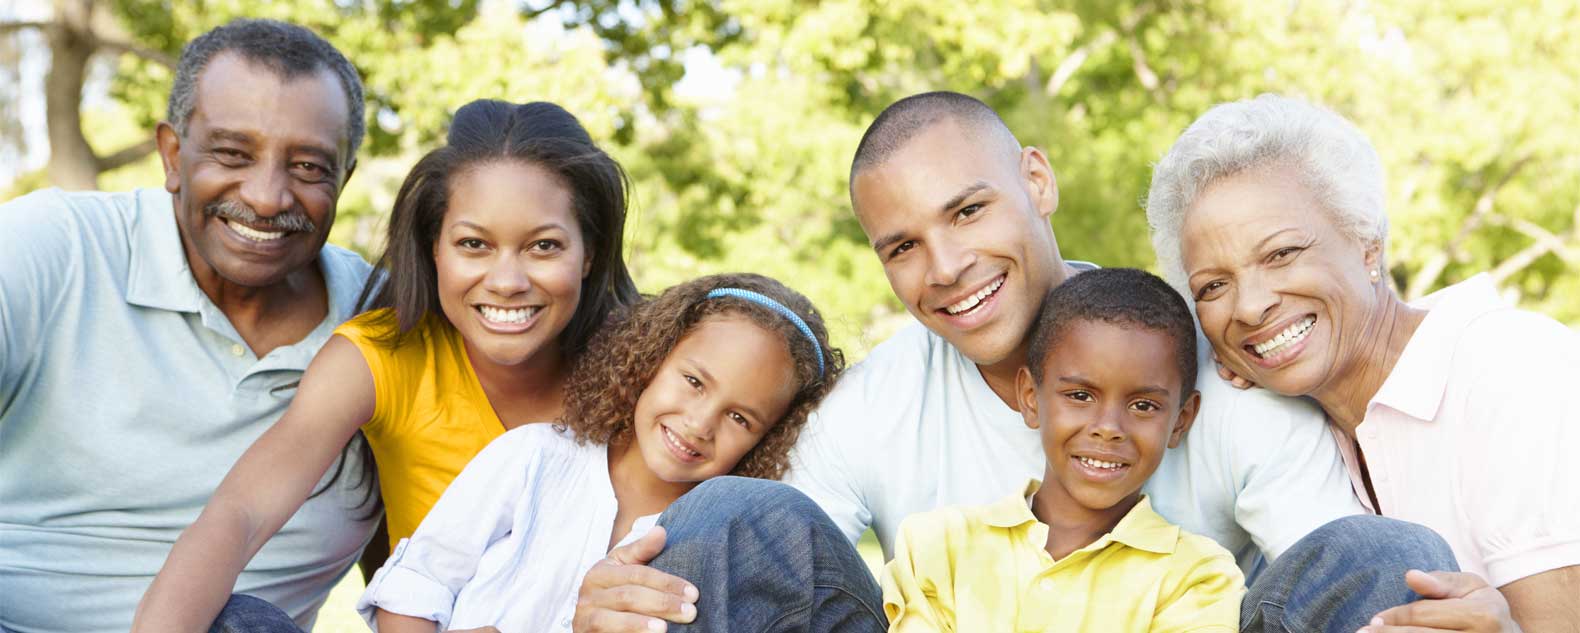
(768,302)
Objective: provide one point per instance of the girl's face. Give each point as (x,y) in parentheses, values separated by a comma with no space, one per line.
(722,387)
(510,260)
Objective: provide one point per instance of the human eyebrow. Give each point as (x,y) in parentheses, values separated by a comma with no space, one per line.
(960,197)
(232,136)
(885,241)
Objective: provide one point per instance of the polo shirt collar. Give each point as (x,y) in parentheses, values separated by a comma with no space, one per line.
(158,275)
(1142,528)
(1419,378)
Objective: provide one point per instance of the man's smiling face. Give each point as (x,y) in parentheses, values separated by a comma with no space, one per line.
(257,173)
(959,219)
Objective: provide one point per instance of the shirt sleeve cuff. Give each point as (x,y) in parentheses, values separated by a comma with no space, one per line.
(1503,569)
(400,589)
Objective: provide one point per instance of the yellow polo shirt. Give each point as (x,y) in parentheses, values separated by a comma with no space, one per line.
(430,415)
(983,568)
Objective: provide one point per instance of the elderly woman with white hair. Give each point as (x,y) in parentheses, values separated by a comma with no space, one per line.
(1453,412)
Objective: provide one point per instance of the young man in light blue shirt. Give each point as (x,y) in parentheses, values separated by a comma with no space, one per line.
(148,337)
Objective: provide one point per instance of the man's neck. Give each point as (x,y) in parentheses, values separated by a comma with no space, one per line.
(1000,376)
(270,316)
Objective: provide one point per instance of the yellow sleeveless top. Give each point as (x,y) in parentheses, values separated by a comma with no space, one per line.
(430,415)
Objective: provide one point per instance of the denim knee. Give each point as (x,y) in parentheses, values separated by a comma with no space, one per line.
(726,499)
(1365,539)
(250,614)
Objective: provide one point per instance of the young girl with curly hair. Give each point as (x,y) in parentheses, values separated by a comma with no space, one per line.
(713,377)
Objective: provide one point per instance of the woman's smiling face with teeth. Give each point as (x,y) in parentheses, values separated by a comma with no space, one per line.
(722,387)
(1281,292)
(510,261)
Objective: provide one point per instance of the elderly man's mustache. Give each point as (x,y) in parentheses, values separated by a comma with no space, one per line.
(293,220)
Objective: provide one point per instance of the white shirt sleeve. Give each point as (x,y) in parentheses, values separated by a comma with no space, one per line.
(425,572)
(40,246)
(819,466)
(1519,477)
(1286,469)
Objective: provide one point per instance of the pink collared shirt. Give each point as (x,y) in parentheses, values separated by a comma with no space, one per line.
(1476,434)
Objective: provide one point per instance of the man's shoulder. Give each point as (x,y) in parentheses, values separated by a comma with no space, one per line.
(1250,413)
(80,215)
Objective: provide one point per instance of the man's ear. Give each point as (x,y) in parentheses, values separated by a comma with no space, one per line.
(1026,397)
(1187,417)
(168,143)
(351,168)
(1042,184)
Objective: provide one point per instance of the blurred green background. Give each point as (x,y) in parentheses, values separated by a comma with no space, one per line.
(737,118)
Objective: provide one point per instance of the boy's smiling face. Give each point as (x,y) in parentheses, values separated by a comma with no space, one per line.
(1109,403)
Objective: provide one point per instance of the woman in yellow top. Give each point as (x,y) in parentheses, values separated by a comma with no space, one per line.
(504,257)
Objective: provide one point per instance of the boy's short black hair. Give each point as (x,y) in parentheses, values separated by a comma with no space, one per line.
(1119,296)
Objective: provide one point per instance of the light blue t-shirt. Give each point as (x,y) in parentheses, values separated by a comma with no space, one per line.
(125,397)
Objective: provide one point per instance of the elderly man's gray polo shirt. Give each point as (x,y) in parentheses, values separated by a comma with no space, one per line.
(125,397)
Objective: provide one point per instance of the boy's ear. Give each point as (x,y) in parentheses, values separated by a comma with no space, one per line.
(1026,397)
(1187,416)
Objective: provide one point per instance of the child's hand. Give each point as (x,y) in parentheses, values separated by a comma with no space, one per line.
(622,594)
(1451,601)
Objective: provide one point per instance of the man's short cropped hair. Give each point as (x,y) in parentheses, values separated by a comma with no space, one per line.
(289,50)
(1125,297)
(904,119)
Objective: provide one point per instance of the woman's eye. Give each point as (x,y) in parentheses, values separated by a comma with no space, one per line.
(470,243)
(1207,289)
(1283,253)
(546,245)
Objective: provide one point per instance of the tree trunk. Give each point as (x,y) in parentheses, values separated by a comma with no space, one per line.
(72,163)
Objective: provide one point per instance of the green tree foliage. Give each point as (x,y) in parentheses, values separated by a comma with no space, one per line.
(1471,103)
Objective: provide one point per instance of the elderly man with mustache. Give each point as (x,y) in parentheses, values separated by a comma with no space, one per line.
(148,337)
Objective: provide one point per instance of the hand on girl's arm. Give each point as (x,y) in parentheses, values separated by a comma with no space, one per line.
(1451,601)
(622,594)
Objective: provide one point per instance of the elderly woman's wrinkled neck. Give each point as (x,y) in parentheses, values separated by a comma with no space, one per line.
(1368,357)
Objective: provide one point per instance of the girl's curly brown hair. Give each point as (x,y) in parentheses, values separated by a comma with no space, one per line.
(607,379)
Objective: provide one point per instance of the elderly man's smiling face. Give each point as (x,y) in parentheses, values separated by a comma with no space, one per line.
(258,171)
(959,219)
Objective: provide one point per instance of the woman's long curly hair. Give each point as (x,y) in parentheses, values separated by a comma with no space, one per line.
(608,378)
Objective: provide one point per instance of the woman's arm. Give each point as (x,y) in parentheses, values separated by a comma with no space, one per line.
(261,492)
(1548,601)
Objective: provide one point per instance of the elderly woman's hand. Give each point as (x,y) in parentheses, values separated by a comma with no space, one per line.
(1451,601)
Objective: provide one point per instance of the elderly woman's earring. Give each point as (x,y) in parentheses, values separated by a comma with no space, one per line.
(1375,274)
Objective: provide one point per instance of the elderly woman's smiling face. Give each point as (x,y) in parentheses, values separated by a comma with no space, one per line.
(1282,293)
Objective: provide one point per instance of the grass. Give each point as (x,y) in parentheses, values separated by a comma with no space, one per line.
(339,613)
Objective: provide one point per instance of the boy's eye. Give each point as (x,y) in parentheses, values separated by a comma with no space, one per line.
(1079,396)
(1145,405)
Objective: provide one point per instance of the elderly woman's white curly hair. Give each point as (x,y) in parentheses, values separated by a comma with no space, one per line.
(1330,156)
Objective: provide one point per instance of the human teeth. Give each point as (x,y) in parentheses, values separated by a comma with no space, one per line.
(1098,463)
(975,299)
(676,441)
(1292,334)
(501,315)
(252,233)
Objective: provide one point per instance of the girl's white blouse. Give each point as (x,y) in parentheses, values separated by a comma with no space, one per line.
(509,541)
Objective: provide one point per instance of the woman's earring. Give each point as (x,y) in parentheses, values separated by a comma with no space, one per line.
(1375,274)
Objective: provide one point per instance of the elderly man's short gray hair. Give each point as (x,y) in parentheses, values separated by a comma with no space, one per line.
(1332,158)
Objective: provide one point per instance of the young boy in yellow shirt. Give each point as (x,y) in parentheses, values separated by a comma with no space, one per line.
(1109,384)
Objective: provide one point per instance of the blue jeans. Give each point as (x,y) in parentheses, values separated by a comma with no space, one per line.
(765,558)
(1342,574)
(246,614)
